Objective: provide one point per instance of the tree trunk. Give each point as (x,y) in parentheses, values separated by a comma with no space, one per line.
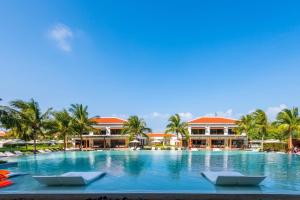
(34,142)
(104,143)
(290,142)
(65,142)
(177,138)
(81,139)
(262,143)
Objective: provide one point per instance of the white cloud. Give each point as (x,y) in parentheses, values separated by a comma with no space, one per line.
(273,111)
(227,113)
(186,115)
(62,35)
(156,115)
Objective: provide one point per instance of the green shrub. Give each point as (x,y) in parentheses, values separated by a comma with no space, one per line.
(147,148)
(275,147)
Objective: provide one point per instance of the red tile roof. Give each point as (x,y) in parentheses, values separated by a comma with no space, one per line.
(108,120)
(160,135)
(2,133)
(213,120)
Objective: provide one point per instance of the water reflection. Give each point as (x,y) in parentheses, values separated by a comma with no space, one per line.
(134,164)
(177,162)
(169,170)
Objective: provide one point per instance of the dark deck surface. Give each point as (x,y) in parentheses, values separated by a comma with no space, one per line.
(145,196)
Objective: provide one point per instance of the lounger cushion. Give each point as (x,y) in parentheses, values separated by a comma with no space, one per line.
(70,178)
(232,178)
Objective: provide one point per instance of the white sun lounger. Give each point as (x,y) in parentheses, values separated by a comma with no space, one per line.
(41,151)
(232,178)
(70,178)
(16,174)
(9,154)
(18,153)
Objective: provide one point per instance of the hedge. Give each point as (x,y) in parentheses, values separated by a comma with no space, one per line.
(275,147)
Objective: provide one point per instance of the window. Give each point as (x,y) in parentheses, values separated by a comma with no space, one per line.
(115,131)
(217,131)
(103,132)
(117,143)
(231,131)
(198,131)
(199,142)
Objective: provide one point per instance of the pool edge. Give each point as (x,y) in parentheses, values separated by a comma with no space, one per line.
(140,196)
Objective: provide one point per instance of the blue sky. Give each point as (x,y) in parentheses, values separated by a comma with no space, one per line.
(152,58)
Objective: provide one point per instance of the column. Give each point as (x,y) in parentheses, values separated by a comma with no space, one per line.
(107,130)
(126,142)
(226,143)
(91,143)
(190,130)
(225,130)
(208,140)
(207,130)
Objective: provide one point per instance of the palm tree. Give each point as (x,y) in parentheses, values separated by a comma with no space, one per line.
(289,119)
(261,123)
(62,124)
(177,126)
(135,127)
(247,125)
(82,123)
(25,119)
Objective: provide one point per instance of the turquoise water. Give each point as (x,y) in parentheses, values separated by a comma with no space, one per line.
(159,171)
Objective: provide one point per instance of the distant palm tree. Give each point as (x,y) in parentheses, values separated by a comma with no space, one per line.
(25,119)
(261,123)
(11,121)
(289,119)
(246,125)
(135,127)
(82,123)
(177,126)
(62,124)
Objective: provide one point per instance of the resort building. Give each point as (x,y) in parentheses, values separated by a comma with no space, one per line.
(215,132)
(161,138)
(108,134)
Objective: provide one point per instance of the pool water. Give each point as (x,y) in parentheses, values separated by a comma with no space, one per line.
(159,171)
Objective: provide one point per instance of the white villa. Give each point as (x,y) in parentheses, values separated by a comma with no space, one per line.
(215,132)
(205,133)
(108,134)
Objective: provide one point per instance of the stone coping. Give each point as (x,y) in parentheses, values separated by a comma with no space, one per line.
(146,196)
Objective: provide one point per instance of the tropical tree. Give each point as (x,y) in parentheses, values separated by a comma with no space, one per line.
(289,119)
(261,124)
(80,119)
(63,125)
(25,119)
(135,127)
(247,125)
(177,126)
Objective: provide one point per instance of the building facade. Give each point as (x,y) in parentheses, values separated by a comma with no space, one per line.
(107,135)
(215,132)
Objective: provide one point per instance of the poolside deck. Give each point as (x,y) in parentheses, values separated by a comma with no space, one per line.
(149,196)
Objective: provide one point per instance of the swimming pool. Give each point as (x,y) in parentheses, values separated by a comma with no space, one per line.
(159,171)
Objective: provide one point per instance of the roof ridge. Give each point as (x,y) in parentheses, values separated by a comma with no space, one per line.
(109,117)
(212,117)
